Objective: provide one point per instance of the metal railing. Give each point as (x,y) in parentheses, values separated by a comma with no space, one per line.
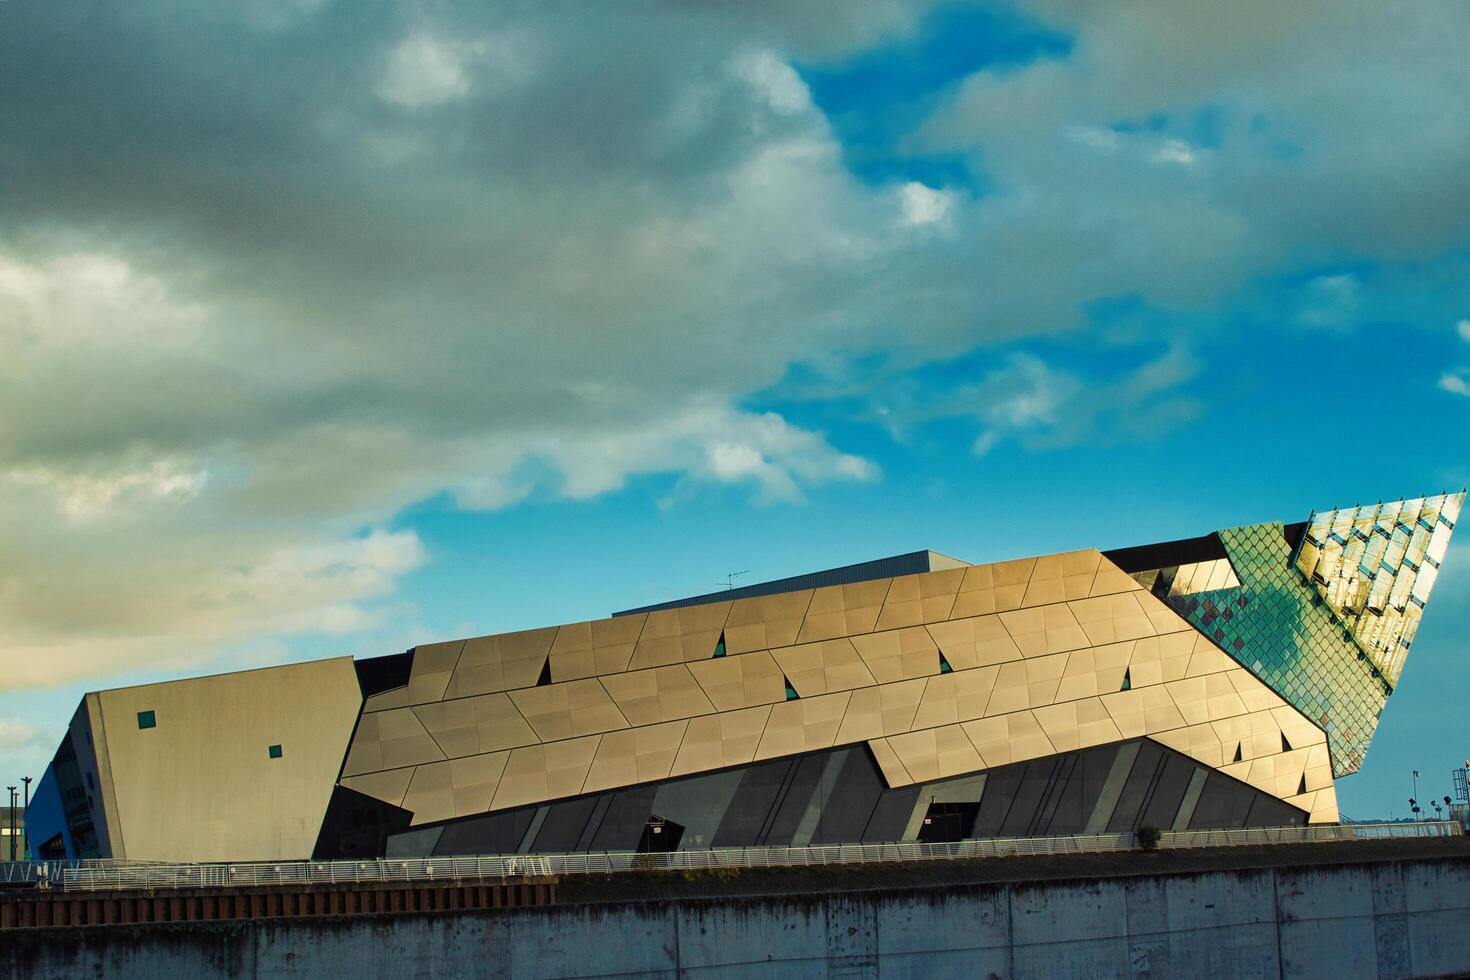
(97,875)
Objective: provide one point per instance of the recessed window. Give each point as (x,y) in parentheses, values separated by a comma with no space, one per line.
(274,751)
(146,719)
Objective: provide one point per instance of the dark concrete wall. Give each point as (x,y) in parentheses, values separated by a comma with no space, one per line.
(1392,919)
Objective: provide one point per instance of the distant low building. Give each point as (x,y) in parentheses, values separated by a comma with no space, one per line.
(12,834)
(1220,681)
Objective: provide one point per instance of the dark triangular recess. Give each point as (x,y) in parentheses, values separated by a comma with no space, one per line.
(1285,745)
(1127,680)
(720,646)
(791,694)
(944,667)
(1237,752)
(545,677)
(1303,787)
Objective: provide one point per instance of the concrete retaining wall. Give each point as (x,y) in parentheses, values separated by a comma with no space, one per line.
(1398,919)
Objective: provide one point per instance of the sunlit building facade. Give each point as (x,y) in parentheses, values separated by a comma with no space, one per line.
(1220,681)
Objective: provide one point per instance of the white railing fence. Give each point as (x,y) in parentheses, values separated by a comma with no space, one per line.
(96,875)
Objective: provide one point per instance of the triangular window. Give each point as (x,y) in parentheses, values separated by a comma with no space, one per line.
(791,694)
(720,646)
(944,667)
(1285,745)
(1127,680)
(1303,787)
(1238,756)
(545,677)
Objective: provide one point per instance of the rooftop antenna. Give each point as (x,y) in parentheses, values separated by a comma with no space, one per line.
(729,582)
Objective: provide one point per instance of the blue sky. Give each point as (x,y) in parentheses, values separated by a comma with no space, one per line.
(333,328)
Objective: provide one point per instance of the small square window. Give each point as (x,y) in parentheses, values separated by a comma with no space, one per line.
(275,751)
(146,719)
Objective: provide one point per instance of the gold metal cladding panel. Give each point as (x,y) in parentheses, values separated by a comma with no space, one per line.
(1106,661)
(740,682)
(717,741)
(914,600)
(433,665)
(471,726)
(558,711)
(637,755)
(388,786)
(817,668)
(764,622)
(647,697)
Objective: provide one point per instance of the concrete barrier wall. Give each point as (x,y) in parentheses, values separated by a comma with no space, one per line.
(1387,920)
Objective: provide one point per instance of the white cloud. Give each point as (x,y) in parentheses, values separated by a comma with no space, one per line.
(923,205)
(1176,151)
(1330,301)
(424,71)
(83,496)
(1463,328)
(1456,383)
(776,81)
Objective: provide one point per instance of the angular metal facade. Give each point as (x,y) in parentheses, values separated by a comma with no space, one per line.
(1217,682)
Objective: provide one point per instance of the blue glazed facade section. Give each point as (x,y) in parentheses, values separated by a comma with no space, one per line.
(1277,625)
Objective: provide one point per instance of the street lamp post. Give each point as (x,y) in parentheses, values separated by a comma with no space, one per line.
(11,790)
(25,812)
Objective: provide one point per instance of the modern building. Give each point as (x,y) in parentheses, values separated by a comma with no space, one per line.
(1226,680)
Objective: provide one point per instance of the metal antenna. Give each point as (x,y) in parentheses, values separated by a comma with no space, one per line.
(729,582)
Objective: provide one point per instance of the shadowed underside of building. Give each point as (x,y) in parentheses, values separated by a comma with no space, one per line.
(1220,681)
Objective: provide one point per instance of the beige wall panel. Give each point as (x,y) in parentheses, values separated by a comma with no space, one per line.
(395,698)
(571,653)
(976,641)
(1209,659)
(897,655)
(1111,579)
(386,786)
(1099,670)
(500,663)
(613,641)
(740,681)
(1078,724)
(208,759)
(804,725)
(458,788)
(560,711)
(475,780)
(1164,619)
(1255,695)
(1056,578)
(936,753)
(765,621)
(646,697)
(433,664)
(917,599)
(637,755)
(538,773)
(390,740)
(1004,739)
(717,741)
(473,726)
(1158,659)
(842,610)
(1112,619)
(672,636)
(888,761)
(1142,710)
(1045,629)
(955,697)
(430,794)
(887,709)
(820,668)
(1197,742)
